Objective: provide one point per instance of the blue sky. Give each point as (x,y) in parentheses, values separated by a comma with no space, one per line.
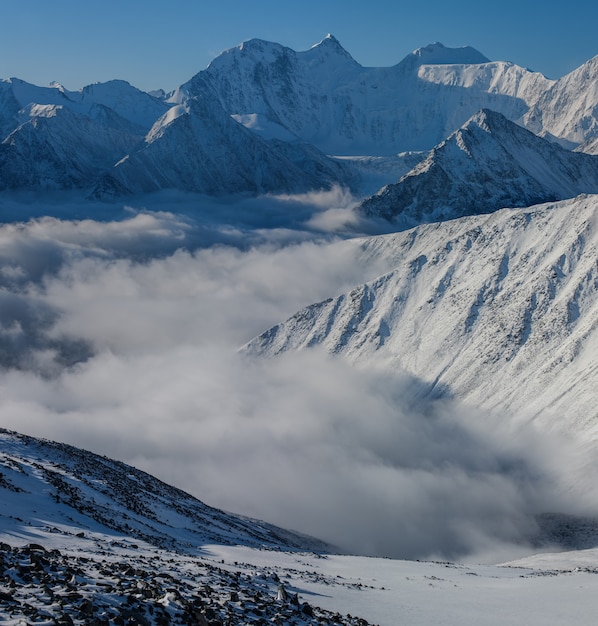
(156,44)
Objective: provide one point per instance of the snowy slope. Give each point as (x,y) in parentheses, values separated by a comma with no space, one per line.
(499,310)
(51,484)
(488,164)
(86,540)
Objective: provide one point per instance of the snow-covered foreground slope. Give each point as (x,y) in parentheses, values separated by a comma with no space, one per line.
(498,310)
(488,164)
(78,546)
(50,484)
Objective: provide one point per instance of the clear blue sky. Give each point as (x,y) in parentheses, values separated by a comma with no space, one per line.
(160,44)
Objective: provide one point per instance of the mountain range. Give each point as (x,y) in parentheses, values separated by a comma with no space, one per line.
(262,118)
(485,293)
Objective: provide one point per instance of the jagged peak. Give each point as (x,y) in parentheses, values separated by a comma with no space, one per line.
(486,117)
(56,85)
(331,44)
(329,41)
(492,123)
(495,122)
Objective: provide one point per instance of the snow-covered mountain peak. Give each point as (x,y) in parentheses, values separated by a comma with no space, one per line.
(487,164)
(438,54)
(56,85)
(252,49)
(488,120)
(130,103)
(328,48)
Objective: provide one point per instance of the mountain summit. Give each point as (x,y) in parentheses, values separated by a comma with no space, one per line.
(438,54)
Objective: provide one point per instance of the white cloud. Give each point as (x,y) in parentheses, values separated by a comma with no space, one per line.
(154,310)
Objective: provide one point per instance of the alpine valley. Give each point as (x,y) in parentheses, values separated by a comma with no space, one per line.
(361,303)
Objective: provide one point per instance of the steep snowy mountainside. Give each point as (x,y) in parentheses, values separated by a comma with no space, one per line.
(488,164)
(49,484)
(569,108)
(324,97)
(197,147)
(501,310)
(58,148)
(9,108)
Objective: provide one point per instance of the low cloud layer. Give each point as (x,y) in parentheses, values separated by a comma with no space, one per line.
(121,337)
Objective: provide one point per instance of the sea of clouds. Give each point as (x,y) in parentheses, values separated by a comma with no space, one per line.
(120,330)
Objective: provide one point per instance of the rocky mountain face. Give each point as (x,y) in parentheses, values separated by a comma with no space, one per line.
(58,148)
(498,310)
(487,164)
(568,110)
